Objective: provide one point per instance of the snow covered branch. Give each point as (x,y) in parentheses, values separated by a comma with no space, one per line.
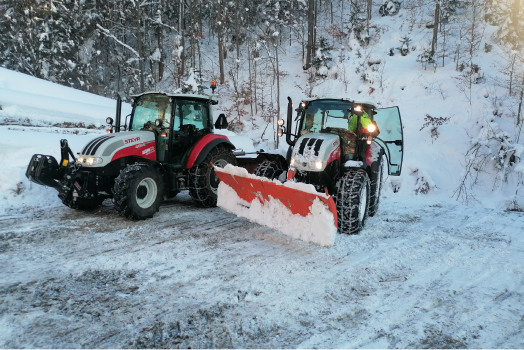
(109,35)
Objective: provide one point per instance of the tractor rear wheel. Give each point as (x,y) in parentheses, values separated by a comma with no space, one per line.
(376,188)
(352,200)
(203,182)
(269,169)
(138,191)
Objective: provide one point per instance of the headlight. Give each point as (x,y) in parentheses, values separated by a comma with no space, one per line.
(280,122)
(93,161)
(280,132)
(371,128)
(292,162)
(358,108)
(319,164)
(80,160)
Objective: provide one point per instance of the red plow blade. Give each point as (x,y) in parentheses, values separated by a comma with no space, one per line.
(294,209)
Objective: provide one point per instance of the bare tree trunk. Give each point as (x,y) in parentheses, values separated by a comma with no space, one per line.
(310,32)
(256,102)
(237,29)
(192,44)
(220,43)
(443,44)
(182,66)
(331,12)
(250,82)
(435,28)
(159,36)
(520,106)
(140,47)
(315,12)
(278,92)
(513,59)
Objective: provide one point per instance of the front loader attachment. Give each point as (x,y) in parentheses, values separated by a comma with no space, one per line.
(293,209)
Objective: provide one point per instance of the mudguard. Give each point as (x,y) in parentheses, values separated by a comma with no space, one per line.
(294,209)
(202,148)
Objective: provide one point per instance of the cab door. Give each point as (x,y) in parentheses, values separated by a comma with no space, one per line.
(391,137)
(190,123)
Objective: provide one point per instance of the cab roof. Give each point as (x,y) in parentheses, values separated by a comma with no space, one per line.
(211,98)
(367,104)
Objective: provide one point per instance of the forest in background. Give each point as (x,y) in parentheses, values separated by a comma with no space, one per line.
(130,46)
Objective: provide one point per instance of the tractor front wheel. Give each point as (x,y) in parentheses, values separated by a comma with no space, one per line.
(203,182)
(352,200)
(269,169)
(138,191)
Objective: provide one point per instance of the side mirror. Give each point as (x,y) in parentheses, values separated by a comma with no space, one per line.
(221,122)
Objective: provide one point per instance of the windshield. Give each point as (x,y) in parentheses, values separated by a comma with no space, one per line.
(150,107)
(325,113)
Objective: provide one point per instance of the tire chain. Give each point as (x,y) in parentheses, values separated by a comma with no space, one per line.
(198,189)
(268,169)
(347,201)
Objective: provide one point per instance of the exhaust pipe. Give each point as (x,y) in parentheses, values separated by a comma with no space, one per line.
(118,113)
(289,122)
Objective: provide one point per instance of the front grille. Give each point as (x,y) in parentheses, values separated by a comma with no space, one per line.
(310,144)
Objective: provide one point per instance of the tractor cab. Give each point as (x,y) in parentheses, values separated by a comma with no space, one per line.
(178,120)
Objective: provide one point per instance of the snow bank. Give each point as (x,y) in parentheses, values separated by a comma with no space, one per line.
(34,101)
(317,227)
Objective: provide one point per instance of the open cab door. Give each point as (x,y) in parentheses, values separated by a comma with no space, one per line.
(391,138)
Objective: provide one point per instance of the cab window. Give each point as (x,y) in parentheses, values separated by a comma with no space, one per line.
(149,108)
(192,113)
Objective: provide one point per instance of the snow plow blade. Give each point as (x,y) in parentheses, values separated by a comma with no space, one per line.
(293,209)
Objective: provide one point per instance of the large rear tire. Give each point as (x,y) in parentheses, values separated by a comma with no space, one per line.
(269,169)
(352,200)
(375,188)
(203,182)
(138,191)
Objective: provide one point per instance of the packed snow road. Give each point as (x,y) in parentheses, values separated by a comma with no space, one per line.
(420,275)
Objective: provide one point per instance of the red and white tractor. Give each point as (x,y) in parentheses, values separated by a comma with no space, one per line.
(342,168)
(167,147)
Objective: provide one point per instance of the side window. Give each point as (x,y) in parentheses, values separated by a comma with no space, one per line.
(165,115)
(176,117)
(194,113)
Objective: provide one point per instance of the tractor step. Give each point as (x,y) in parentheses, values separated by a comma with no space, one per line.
(293,209)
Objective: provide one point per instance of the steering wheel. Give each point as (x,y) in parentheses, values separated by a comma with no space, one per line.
(148,126)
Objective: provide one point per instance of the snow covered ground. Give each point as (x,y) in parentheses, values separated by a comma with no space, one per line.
(422,274)
(425,272)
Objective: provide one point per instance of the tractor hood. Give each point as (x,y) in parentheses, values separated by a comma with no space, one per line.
(314,151)
(105,149)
